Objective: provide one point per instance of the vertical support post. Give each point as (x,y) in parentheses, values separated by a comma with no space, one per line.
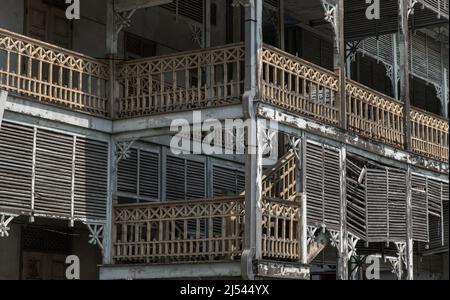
(444,98)
(111,30)
(343,237)
(281,24)
(253,160)
(109,232)
(409,228)
(33,175)
(72,192)
(206,43)
(3,97)
(304,203)
(403,44)
(207,24)
(340,59)
(395,67)
(112,49)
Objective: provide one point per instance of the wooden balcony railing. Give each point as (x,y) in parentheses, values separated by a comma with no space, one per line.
(374,115)
(429,134)
(203,230)
(303,88)
(207,78)
(51,74)
(281,228)
(182,81)
(299,86)
(279,182)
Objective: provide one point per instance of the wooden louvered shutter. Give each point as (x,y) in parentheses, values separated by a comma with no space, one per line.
(227,182)
(195,180)
(149,175)
(356,200)
(91,179)
(397,204)
(127,177)
(323,185)
(138,176)
(419,208)
(377,205)
(175,178)
(16,160)
(54,154)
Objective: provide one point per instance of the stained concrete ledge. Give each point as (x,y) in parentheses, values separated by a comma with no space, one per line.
(207,270)
(282,270)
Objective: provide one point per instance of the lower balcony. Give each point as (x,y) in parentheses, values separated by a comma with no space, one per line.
(209,232)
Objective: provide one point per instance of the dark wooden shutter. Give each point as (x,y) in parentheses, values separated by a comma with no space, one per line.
(323,185)
(91,179)
(175,178)
(54,154)
(419,208)
(149,177)
(227,181)
(16,159)
(127,174)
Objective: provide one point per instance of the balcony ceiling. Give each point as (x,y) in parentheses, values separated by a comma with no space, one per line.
(357,26)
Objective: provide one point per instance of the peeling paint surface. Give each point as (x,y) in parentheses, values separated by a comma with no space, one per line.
(348,138)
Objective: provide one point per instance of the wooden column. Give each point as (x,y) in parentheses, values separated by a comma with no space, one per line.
(301,188)
(281,24)
(340,63)
(253,160)
(342,273)
(409,228)
(395,68)
(111,48)
(444,96)
(403,45)
(109,232)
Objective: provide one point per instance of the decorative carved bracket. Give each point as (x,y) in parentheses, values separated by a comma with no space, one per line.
(439,92)
(311,234)
(123,20)
(123,150)
(352,241)
(389,71)
(394,262)
(96,234)
(296,146)
(411,4)
(267,140)
(197,34)
(352,50)
(331,16)
(334,238)
(398,262)
(5,219)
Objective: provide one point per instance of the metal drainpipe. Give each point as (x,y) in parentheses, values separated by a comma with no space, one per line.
(253,71)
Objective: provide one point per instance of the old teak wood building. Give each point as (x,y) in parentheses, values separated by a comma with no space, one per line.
(361,106)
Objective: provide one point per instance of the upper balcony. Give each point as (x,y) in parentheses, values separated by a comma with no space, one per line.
(207,78)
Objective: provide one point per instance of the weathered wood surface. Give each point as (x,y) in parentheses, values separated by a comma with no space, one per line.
(52,74)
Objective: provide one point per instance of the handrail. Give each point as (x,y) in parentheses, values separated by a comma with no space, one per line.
(181,81)
(182,231)
(52,74)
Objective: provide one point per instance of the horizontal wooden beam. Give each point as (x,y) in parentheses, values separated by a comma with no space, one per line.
(127,5)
